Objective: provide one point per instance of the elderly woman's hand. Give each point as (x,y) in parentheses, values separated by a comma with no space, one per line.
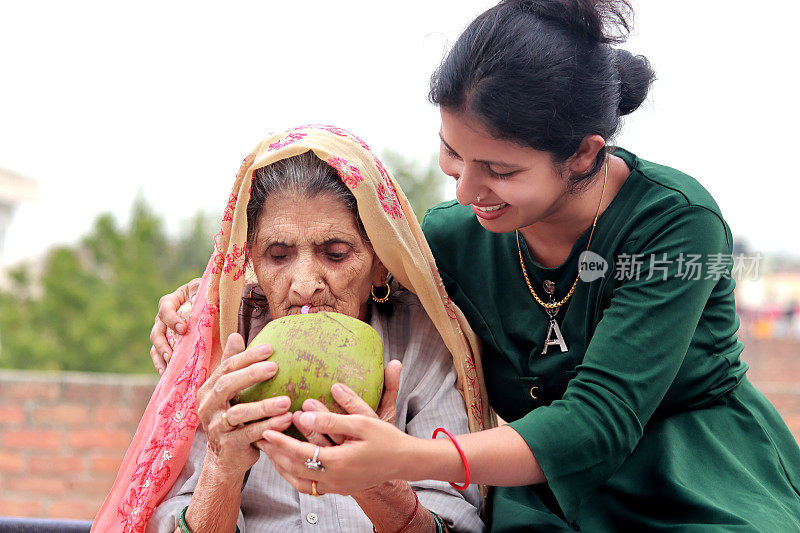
(231,430)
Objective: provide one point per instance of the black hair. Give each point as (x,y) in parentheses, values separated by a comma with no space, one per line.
(543,74)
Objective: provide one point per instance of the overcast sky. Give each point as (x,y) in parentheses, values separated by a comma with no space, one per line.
(100,99)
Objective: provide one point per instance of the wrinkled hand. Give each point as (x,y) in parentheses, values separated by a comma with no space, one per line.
(168,317)
(230,436)
(365,440)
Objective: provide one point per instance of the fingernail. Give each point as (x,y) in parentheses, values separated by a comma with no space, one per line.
(160,371)
(265,349)
(269,366)
(180,327)
(265,436)
(282,402)
(337,389)
(166,356)
(308,419)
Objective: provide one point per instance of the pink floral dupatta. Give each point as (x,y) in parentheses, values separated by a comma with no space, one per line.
(162,441)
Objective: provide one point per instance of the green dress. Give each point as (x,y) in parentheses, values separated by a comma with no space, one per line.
(647,422)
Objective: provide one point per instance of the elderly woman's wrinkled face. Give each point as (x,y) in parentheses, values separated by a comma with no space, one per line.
(308,251)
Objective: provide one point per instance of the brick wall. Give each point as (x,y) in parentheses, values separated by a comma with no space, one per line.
(775,370)
(62,436)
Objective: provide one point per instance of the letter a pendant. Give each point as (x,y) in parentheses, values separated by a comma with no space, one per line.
(554,336)
(553,331)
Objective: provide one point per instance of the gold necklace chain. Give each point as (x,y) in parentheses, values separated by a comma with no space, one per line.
(556,305)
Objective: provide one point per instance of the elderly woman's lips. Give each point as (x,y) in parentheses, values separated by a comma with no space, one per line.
(309,307)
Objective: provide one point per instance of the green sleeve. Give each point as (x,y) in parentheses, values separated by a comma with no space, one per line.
(631,360)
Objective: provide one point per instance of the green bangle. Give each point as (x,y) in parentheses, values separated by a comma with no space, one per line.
(439,522)
(184,526)
(182,521)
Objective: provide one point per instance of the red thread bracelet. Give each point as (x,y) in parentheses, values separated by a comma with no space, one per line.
(461,453)
(416,506)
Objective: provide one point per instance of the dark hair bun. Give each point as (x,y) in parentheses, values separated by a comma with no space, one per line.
(544,74)
(635,78)
(602,21)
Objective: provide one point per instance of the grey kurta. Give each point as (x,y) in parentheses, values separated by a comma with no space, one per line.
(427,399)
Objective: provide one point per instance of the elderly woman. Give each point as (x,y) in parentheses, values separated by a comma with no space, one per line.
(321,223)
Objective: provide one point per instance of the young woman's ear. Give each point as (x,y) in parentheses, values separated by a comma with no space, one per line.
(584,157)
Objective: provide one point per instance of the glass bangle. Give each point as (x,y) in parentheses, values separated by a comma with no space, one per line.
(184,526)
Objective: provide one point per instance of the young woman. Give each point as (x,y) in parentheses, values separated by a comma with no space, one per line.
(600,286)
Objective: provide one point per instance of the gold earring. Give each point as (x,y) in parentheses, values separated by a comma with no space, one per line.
(385,298)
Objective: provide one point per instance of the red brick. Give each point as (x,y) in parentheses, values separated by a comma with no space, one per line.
(115,439)
(106,463)
(140,395)
(96,488)
(12,414)
(27,507)
(68,415)
(73,509)
(118,416)
(39,439)
(92,393)
(44,464)
(30,391)
(37,485)
(11,462)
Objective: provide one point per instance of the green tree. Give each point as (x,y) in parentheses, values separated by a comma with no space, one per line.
(424,185)
(91,307)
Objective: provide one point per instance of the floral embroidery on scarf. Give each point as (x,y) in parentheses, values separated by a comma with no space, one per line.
(382,170)
(246,162)
(471,374)
(230,207)
(286,141)
(389,202)
(349,174)
(448,306)
(178,422)
(236,261)
(336,131)
(218,259)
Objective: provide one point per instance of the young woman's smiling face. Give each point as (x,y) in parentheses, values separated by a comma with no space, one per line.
(308,251)
(517,185)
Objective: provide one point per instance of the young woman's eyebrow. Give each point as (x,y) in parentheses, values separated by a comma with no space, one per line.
(484,161)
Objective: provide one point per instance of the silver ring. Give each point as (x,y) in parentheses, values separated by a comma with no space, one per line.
(313,463)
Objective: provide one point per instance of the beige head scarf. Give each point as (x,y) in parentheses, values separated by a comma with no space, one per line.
(162,441)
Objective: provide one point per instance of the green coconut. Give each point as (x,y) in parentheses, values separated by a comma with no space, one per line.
(313,351)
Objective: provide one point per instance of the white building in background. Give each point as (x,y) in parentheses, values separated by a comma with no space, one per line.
(14,189)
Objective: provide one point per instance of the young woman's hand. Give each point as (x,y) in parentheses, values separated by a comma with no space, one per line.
(168,317)
(367,445)
(354,405)
(231,430)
